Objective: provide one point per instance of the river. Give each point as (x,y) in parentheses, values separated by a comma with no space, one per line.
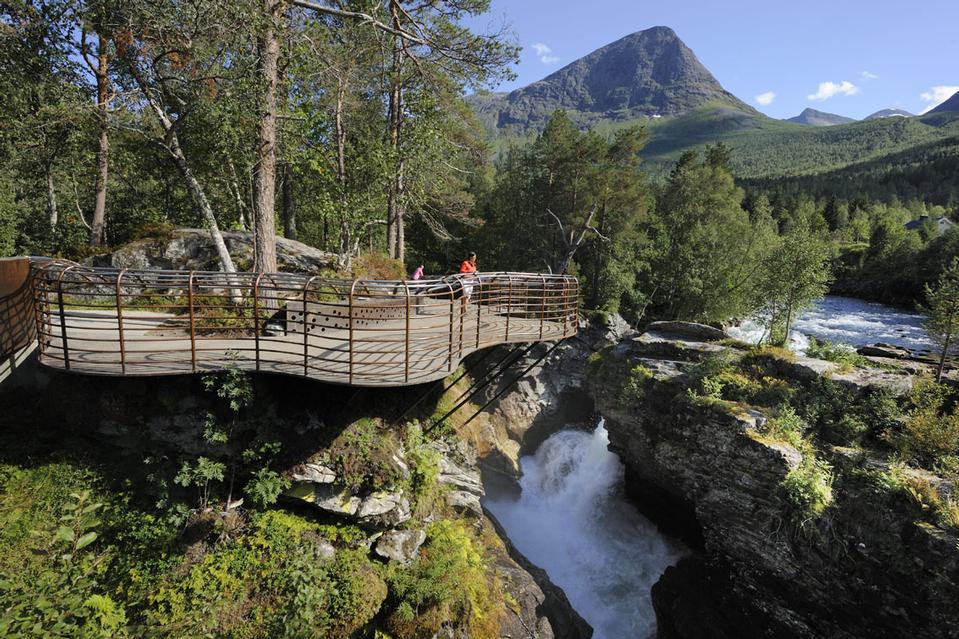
(572,519)
(849,321)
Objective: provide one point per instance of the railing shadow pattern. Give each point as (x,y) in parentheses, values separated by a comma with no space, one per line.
(356,332)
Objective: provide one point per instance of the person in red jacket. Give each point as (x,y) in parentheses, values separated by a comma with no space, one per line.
(468,273)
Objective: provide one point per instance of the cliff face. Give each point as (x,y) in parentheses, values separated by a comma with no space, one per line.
(550,397)
(863,567)
(141,425)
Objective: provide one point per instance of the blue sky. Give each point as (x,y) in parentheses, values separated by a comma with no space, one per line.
(849,57)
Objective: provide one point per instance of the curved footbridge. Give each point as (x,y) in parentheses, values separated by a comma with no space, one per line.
(125,322)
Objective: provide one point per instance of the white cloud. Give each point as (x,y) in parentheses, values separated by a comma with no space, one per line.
(937,95)
(766,98)
(831,89)
(544,53)
(866,75)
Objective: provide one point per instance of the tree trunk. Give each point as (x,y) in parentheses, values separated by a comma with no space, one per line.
(52,199)
(238,196)
(945,351)
(346,243)
(789,323)
(396,206)
(264,177)
(172,143)
(201,201)
(98,229)
(289,204)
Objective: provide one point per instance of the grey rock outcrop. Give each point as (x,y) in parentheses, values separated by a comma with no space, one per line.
(399,545)
(869,568)
(192,249)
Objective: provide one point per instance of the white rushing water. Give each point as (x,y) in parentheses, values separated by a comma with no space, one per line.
(848,321)
(571,520)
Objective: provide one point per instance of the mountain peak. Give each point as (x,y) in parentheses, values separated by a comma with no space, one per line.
(648,73)
(889,113)
(949,106)
(812,117)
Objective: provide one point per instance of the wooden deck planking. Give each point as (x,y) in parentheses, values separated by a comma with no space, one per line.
(158,344)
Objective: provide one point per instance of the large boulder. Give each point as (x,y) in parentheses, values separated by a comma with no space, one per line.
(694,330)
(193,250)
(400,545)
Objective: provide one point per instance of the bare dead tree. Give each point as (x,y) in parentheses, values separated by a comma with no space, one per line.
(574,238)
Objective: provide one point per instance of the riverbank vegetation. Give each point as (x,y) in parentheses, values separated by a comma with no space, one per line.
(184,534)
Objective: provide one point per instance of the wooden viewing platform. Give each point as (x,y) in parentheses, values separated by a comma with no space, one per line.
(103,321)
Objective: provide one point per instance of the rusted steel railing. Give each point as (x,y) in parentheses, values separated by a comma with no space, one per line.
(18,326)
(105,321)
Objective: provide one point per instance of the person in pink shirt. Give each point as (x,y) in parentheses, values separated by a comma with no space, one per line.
(418,273)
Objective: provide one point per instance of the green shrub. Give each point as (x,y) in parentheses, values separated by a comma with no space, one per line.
(842,354)
(376,266)
(448,584)
(773,391)
(637,384)
(807,490)
(362,456)
(930,433)
(155,230)
(265,487)
(424,469)
(787,427)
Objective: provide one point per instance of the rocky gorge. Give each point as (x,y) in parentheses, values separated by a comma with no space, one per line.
(710,450)
(714,468)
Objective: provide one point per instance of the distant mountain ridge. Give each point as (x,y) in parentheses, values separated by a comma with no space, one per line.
(949,106)
(650,73)
(812,117)
(652,78)
(889,113)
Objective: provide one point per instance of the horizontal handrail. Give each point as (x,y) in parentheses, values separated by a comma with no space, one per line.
(111,321)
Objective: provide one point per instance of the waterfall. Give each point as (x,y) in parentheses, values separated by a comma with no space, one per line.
(571,519)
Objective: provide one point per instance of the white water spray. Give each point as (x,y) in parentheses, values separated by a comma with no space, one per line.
(571,520)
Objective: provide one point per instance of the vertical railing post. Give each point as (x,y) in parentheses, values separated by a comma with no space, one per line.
(352,288)
(479,299)
(306,329)
(256,318)
(542,306)
(123,349)
(406,347)
(63,320)
(450,345)
(40,309)
(509,303)
(189,297)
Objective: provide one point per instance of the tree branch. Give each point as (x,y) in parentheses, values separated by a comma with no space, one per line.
(356,15)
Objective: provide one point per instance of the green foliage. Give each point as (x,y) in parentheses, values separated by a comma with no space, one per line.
(424,469)
(705,249)
(930,433)
(51,572)
(362,456)
(637,383)
(374,266)
(795,273)
(547,191)
(842,354)
(807,491)
(265,486)
(447,582)
(842,417)
(943,312)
